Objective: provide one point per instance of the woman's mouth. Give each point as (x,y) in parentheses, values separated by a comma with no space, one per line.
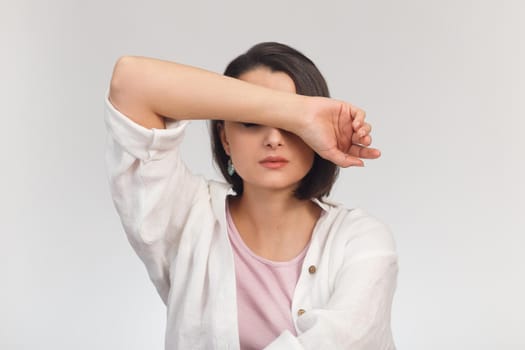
(274,162)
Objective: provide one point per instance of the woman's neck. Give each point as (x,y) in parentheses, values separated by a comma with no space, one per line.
(273,224)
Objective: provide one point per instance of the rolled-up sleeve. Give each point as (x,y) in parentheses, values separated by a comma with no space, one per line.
(151,187)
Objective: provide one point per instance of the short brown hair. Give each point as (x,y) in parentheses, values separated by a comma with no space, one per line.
(308,81)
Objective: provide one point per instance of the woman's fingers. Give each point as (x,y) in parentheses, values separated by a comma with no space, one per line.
(354,157)
(364,152)
(358,117)
(339,133)
(363,141)
(341,159)
(364,130)
(347,160)
(360,128)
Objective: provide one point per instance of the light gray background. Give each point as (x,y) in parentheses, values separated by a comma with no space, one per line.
(443,85)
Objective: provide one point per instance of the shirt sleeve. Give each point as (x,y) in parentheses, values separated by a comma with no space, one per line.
(358,314)
(152,189)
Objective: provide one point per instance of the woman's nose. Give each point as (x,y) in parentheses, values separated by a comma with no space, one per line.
(273,138)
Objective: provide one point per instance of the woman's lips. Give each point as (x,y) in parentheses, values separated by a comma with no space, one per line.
(273,162)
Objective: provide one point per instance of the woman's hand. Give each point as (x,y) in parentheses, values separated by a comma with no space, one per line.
(337,131)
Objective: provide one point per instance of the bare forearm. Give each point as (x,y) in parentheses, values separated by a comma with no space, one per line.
(146,90)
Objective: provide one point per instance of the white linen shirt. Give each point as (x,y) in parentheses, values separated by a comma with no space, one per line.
(176,223)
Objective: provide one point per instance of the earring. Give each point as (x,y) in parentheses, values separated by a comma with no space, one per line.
(231,169)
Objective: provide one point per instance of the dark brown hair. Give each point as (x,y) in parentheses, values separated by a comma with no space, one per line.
(308,81)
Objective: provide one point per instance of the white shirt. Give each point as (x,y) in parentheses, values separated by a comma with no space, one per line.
(176,223)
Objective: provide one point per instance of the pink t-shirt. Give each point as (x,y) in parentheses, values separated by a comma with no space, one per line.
(264,292)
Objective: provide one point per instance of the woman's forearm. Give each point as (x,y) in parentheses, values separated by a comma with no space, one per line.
(146,90)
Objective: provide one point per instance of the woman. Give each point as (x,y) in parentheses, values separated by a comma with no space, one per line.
(264,261)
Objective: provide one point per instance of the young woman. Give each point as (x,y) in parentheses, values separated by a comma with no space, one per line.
(264,260)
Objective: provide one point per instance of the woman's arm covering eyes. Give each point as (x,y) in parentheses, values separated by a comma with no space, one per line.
(148,90)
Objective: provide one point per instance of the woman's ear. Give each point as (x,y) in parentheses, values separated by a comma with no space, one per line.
(224,140)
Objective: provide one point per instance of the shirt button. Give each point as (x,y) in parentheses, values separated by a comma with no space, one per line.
(312,269)
(300,312)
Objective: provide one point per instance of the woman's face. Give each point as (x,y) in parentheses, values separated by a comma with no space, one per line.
(266,157)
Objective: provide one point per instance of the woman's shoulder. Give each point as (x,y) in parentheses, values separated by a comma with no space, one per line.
(358,230)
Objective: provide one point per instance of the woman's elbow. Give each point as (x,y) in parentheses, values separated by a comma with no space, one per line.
(122,78)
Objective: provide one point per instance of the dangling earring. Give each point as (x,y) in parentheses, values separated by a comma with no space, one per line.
(231,169)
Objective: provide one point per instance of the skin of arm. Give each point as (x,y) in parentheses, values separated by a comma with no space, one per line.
(148,90)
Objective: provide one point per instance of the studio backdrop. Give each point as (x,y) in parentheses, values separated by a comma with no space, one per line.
(443,86)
